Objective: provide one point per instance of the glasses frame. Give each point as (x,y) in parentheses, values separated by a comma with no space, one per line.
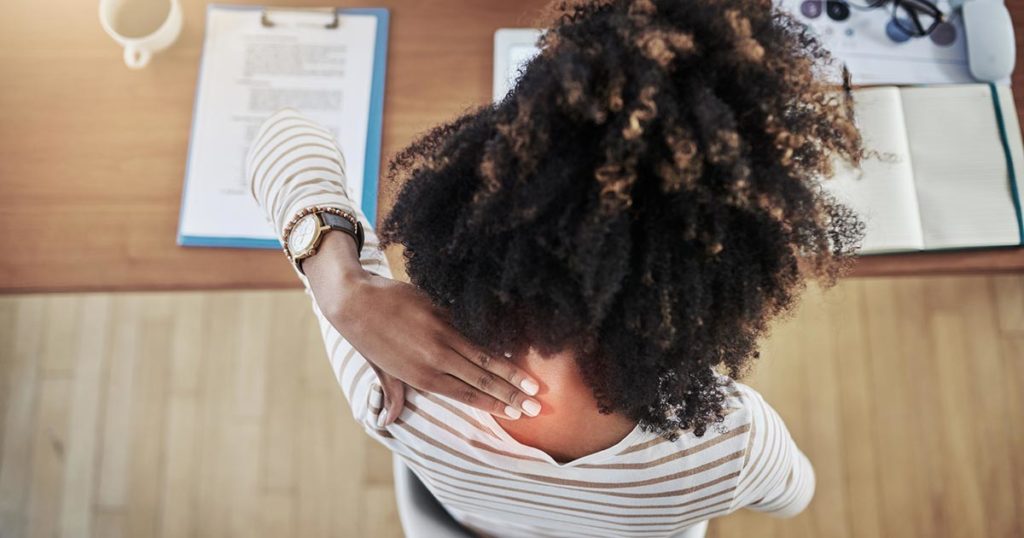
(912,8)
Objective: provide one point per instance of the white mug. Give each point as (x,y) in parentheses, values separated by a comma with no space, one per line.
(139,49)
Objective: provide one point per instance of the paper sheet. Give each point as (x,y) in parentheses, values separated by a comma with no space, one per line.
(250,71)
(877,52)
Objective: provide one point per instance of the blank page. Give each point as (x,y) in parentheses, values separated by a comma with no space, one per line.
(959,167)
(882,192)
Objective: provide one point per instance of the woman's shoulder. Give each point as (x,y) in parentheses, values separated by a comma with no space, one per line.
(740,399)
(742,408)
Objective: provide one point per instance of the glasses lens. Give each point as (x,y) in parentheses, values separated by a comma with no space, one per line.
(865,4)
(916,17)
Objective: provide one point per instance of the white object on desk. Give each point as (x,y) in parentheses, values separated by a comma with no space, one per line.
(864,41)
(138,50)
(327,65)
(991,51)
(975,44)
(513,47)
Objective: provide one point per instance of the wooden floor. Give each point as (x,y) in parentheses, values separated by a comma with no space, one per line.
(215,415)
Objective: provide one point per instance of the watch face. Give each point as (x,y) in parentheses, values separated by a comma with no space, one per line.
(301,236)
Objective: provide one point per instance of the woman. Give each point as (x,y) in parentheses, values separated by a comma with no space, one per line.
(584,256)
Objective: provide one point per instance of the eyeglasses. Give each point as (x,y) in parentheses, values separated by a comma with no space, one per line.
(916,18)
(911,18)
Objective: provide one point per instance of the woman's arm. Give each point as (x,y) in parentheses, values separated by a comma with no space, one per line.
(777,478)
(407,336)
(295,164)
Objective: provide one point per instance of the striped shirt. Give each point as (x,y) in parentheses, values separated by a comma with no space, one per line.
(644,485)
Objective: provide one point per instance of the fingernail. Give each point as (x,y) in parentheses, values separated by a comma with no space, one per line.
(512,412)
(531,407)
(382,419)
(529,386)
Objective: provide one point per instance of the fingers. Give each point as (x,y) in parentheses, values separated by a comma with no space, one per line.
(487,382)
(457,389)
(499,366)
(394,398)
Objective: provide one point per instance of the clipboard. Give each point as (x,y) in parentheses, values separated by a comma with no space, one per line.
(268,18)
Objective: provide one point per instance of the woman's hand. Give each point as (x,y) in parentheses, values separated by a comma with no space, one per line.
(405,338)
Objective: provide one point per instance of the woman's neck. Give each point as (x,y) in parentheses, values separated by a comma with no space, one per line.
(569,425)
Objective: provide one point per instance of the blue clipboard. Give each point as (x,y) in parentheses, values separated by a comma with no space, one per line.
(371,170)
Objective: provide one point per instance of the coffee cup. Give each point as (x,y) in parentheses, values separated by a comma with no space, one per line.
(142,27)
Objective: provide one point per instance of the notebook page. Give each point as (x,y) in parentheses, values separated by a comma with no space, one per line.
(959,167)
(250,71)
(882,192)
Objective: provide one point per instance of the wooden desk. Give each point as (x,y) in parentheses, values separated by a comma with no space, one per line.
(92,155)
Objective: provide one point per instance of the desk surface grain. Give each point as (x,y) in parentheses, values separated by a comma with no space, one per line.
(92,155)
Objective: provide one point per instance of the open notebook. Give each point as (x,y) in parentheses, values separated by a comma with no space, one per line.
(941,172)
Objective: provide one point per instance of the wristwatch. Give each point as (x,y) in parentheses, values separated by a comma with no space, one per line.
(306,231)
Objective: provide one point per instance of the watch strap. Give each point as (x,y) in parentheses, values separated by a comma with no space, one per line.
(344,225)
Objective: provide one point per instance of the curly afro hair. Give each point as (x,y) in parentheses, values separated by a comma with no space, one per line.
(647,197)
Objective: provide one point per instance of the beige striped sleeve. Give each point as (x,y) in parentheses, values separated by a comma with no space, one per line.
(777,478)
(294,164)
